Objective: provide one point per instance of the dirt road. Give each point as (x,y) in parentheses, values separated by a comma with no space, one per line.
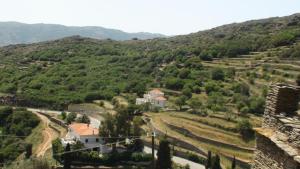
(48,135)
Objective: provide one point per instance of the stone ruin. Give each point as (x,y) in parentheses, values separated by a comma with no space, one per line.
(278,140)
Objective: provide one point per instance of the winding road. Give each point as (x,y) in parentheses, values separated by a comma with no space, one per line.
(49,136)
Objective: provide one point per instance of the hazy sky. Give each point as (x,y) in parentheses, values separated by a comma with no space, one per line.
(169,17)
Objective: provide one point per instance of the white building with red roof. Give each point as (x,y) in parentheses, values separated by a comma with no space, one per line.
(155,97)
(84,133)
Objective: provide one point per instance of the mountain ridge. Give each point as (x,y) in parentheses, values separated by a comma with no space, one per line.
(12,32)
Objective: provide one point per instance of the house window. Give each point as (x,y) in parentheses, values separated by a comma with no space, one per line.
(86,140)
(97,140)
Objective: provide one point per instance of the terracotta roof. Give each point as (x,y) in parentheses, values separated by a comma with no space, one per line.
(156,91)
(84,129)
(160,98)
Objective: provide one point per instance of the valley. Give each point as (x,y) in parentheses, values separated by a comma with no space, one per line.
(215,84)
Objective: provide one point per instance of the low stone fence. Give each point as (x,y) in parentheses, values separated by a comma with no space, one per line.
(188,146)
(54,120)
(209,141)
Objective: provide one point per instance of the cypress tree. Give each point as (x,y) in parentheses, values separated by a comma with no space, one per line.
(217,164)
(208,162)
(233,163)
(67,160)
(298,80)
(28,150)
(164,159)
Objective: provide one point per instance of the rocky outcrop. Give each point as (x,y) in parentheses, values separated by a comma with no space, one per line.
(278,141)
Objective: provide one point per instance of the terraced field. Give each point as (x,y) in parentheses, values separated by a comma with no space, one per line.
(217,131)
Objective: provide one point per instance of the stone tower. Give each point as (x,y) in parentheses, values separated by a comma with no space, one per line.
(278,141)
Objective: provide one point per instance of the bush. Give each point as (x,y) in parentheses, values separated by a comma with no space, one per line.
(257,105)
(217,74)
(140,157)
(174,84)
(187,92)
(71,117)
(197,89)
(184,73)
(246,129)
(244,110)
(197,159)
(211,87)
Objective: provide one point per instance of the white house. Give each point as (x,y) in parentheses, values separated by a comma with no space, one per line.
(86,134)
(155,97)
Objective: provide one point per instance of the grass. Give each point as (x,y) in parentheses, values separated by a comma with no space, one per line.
(36,137)
(221,150)
(85,107)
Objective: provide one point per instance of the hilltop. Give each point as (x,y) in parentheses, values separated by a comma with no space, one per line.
(15,33)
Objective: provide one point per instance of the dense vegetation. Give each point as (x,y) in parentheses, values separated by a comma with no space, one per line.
(216,75)
(76,69)
(15,125)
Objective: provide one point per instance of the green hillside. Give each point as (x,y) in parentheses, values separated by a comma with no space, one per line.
(77,69)
(215,81)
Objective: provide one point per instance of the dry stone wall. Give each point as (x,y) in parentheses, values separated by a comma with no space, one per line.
(278,141)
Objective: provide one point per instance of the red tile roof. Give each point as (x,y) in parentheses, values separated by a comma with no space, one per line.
(160,98)
(84,129)
(156,91)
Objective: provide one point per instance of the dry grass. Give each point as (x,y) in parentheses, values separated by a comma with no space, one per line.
(36,137)
(159,123)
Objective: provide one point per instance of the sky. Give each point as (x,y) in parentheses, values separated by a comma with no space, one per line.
(169,17)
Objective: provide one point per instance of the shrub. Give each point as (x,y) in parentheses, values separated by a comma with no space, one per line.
(174,84)
(187,92)
(246,129)
(217,74)
(244,110)
(197,89)
(197,159)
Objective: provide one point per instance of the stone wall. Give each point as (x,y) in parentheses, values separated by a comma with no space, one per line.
(278,141)
(270,156)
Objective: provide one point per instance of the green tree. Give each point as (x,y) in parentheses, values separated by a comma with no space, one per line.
(217,74)
(109,129)
(181,101)
(208,162)
(195,103)
(67,159)
(63,115)
(174,83)
(138,144)
(197,89)
(28,150)
(298,80)
(4,113)
(71,117)
(257,105)
(187,92)
(245,128)
(233,165)
(217,164)
(57,148)
(211,87)
(164,159)
(84,119)
(184,73)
